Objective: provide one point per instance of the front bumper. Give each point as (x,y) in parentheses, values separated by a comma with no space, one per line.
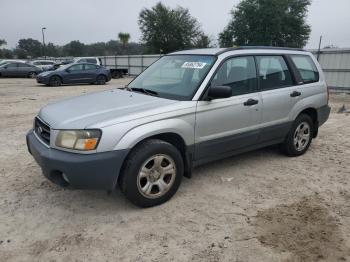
(42,80)
(84,171)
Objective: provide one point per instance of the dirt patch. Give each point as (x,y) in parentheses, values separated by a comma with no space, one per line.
(306,229)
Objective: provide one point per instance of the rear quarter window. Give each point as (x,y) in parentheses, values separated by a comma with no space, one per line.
(306,67)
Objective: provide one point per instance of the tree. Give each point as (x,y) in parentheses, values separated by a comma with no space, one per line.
(269,23)
(124,38)
(165,30)
(29,47)
(3,42)
(202,41)
(74,48)
(52,50)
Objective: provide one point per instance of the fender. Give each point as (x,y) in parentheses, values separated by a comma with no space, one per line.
(181,127)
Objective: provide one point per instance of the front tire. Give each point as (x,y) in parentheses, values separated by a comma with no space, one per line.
(152,173)
(55,81)
(299,137)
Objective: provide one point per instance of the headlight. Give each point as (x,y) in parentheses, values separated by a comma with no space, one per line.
(82,140)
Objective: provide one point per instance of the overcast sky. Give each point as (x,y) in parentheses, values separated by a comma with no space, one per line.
(100,20)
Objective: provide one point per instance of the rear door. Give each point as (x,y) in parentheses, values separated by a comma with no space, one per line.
(279,94)
(90,72)
(229,124)
(24,69)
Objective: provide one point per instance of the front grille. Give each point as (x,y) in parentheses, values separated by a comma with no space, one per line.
(42,130)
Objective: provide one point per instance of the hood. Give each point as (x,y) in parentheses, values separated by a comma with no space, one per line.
(112,106)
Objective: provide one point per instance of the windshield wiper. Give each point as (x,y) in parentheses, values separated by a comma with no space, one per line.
(145,91)
(127,88)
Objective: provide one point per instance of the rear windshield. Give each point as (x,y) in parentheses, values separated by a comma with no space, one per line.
(175,76)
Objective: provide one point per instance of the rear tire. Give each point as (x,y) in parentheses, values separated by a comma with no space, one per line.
(299,137)
(152,173)
(55,81)
(101,80)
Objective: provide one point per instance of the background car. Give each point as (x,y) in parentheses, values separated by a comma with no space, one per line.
(43,64)
(19,69)
(6,61)
(91,60)
(75,73)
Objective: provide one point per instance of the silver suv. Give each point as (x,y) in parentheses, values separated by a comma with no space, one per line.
(186,109)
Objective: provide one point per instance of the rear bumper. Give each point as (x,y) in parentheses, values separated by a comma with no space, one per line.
(84,171)
(323,114)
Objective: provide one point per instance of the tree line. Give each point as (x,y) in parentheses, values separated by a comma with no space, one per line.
(164,29)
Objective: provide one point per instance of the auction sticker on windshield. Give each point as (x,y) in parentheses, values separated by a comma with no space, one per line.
(195,65)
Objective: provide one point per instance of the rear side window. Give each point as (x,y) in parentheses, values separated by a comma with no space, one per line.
(239,73)
(91,60)
(90,67)
(306,67)
(12,65)
(273,72)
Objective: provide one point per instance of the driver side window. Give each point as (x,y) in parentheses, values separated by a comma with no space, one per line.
(76,68)
(239,73)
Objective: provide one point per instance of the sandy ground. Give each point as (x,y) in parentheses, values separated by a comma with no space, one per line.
(260,206)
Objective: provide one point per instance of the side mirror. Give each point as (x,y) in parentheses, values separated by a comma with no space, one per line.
(5,67)
(67,70)
(216,92)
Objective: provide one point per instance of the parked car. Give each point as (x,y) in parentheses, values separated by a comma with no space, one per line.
(45,65)
(91,60)
(115,72)
(6,61)
(186,109)
(19,69)
(75,73)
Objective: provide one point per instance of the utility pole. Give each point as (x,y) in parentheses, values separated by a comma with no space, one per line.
(319,49)
(42,30)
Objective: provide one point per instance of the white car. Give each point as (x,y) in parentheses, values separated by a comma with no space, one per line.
(91,60)
(43,64)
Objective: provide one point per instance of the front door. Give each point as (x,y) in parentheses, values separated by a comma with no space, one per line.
(75,74)
(226,125)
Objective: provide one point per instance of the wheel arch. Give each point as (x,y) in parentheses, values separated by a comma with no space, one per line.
(60,77)
(312,113)
(177,132)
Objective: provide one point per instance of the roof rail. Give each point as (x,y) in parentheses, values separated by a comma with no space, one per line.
(260,47)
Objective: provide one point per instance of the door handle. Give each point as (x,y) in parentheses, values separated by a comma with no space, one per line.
(250,102)
(295,94)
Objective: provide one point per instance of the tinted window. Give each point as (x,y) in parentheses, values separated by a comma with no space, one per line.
(306,67)
(23,65)
(12,65)
(90,67)
(273,72)
(91,60)
(238,73)
(76,68)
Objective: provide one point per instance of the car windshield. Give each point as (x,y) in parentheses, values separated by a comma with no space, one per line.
(4,63)
(174,76)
